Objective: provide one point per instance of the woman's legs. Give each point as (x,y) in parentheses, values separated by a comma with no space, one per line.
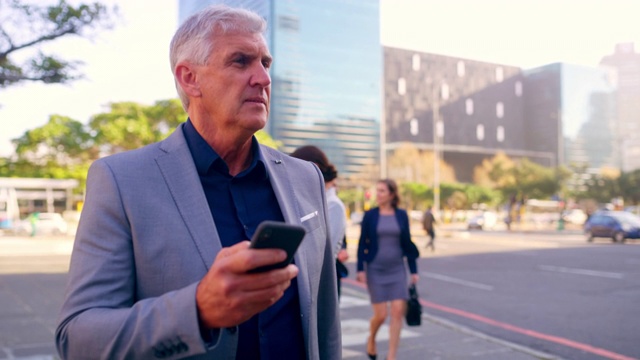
(379,315)
(395,326)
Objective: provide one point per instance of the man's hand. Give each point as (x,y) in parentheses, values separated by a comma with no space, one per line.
(228,295)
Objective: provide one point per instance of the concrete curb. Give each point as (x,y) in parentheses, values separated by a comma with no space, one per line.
(468,331)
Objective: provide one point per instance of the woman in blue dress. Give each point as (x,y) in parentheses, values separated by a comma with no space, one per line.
(385,241)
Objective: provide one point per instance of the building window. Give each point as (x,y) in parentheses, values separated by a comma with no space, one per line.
(289,23)
(413,126)
(460,68)
(500,110)
(415,62)
(402,86)
(480,132)
(444,91)
(518,88)
(500,134)
(440,129)
(499,74)
(469,106)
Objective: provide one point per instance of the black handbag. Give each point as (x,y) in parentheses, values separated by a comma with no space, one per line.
(414,308)
(342,270)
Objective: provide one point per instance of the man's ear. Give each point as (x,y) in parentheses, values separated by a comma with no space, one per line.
(187,79)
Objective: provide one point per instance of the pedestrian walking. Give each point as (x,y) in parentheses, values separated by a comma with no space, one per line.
(385,241)
(428,222)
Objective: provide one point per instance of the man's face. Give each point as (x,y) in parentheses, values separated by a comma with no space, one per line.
(235,83)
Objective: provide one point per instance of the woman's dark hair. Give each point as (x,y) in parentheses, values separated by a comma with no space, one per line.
(316,156)
(393,189)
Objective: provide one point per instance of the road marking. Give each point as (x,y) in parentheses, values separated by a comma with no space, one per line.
(458,281)
(604,274)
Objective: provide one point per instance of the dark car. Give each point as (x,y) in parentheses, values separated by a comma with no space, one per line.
(617,225)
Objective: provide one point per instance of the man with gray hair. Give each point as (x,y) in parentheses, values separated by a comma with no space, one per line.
(161,267)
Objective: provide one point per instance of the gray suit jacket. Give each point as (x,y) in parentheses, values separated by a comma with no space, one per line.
(145,239)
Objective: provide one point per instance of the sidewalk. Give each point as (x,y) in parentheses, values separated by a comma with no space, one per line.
(435,339)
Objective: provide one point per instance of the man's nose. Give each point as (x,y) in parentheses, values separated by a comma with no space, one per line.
(260,76)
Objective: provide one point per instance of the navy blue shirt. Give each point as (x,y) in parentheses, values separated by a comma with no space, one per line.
(238,205)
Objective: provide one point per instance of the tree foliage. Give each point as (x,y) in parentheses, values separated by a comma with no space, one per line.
(25,26)
(522,178)
(408,163)
(64,147)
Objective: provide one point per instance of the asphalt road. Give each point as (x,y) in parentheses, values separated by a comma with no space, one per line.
(549,291)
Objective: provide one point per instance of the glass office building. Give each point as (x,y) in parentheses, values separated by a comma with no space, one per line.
(326,76)
(571,109)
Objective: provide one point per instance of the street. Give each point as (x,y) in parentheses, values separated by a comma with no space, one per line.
(549,291)
(552,292)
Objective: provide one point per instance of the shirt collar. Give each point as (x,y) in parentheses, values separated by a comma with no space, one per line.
(207,159)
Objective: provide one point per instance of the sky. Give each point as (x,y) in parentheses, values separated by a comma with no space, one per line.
(130,62)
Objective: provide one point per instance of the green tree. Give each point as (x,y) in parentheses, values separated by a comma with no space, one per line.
(130,125)
(64,147)
(629,185)
(522,177)
(265,139)
(24,26)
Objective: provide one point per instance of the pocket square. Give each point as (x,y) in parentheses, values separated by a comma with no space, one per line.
(309,216)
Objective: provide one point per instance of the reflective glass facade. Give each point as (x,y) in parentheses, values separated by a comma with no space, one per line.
(572,108)
(326,75)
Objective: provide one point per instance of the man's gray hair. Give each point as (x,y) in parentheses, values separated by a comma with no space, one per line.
(194,39)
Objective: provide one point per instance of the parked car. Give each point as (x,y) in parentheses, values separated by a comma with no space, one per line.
(45,224)
(485,220)
(617,225)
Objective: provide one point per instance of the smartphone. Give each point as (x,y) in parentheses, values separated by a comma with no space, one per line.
(277,235)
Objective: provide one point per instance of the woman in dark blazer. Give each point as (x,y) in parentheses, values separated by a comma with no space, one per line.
(385,241)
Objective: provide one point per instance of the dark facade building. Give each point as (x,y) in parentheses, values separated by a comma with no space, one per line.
(478,109)
(325,76)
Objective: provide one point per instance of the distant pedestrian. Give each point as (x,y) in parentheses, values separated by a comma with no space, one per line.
(33,220)
(428,222)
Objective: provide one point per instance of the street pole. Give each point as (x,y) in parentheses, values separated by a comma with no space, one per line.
(436,152)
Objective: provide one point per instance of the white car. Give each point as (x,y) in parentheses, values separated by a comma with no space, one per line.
(575,216)
(485,220)
(45,224)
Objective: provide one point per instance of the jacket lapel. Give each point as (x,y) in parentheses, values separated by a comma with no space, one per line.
(181,176)
(282,182)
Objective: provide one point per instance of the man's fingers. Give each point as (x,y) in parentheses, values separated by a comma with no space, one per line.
(228,251)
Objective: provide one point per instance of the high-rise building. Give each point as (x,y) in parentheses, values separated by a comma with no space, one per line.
(326,76)
(570,110)
(627,63)
(558,114)
(477,106)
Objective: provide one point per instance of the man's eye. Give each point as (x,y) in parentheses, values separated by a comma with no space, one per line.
(242,60)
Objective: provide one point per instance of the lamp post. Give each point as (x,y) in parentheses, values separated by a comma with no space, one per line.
(438,132)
